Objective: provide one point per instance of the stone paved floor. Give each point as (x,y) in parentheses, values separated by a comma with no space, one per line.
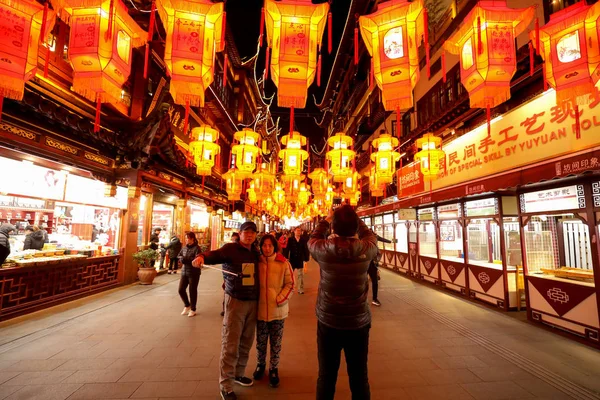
(425,344)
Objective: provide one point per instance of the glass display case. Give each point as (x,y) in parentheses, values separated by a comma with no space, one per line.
(427,232)
(378,229)
(388,231)
(483,239)
(451,233)
(401,244)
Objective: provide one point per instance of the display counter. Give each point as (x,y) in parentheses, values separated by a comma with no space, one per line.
(47,282)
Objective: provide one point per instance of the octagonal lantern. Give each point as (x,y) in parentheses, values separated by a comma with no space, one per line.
(340,156)
(319,181)
(233,185)
(385,158)
(293,155)
(246,151)
(203,149)
(430,156)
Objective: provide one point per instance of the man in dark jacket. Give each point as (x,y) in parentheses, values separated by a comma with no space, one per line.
(241,302)
(297,252)
(5,230)
(173,249)
(154,238)
(374,272)
(34,240)
(343,313)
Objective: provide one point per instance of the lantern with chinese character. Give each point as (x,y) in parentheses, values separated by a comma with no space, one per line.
(385,157)
(485,43)
(101,42)
(246,151)
(194,32)
(293,155)
(294,30)
(22,25)
(340,156)
(233,184)
(392,36)
(319,181)
(203,149)
(567,43)
(430,156)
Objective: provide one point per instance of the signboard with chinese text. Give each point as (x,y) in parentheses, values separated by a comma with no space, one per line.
(480,208)
(410,180)
(449,211)
(31,180)
(566,198)
(407,214)
(426,214)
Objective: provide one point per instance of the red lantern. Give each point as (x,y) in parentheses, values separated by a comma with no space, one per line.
(22,22)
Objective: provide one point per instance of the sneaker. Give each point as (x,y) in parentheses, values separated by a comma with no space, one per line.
(228,395)
(376,302)
(175,272)
(300,291)
(260,372)
(273,377)
(192,313)
(169,272)
(186,310)
(244,381)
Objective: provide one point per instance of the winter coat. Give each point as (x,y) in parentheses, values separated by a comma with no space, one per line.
(297,252)
(174,247)
(5,229)
(342,301)
(187,254)
(276,287)
(153,241)
(237,259)
(34,241)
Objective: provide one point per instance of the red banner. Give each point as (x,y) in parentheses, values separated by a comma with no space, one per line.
(410,180)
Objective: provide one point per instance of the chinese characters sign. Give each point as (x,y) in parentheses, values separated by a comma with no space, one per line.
(410,180)
(566,198)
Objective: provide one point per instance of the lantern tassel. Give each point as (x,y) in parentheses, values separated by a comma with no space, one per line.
(224,29)
(46,61)
(98,110)
(426,40)
(372,74)
(267,63)
(149,38)
(531,59)
(262,26)
(329,32)
(291,121)
(44,17)
(444,66)
(187,116)
(319,69)
(577,124)
(356,46)
(225,62)
(398,132)
(537,36)
(110,19)
(488,114)
(479,42)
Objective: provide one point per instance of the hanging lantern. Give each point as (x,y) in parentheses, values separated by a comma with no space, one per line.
(319,180)
(251,194)
(233,184)
(352,197)
(101,42)
(329,195)
(485,42)
(291,185)
(267,204)
(194,32)
(294,30)
(340,156)
(264,182)
(22,23)
(293,155)
(203,149)
(392,36)
(385,157)
(430,156)
(351,182)
(246,151)
(278,194)
(568,43)
(376,187)
(303,194)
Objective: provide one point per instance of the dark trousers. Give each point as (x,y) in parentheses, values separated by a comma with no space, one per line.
(355,343)
(271,331)
(173,264)
(374,280)
(192,281)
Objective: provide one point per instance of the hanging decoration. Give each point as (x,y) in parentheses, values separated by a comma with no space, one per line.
(251,194)
(246,151)
(194,31)
(303,194)
(392,35)
(26,24)
(101,42)
(204,149)
(233,184)
(293,155)
(264,182)
(351,189)
(340,156)
(294,31)
(319,181)
(431,158)
(485,44)
(385,157)
(278,194)
(376,187)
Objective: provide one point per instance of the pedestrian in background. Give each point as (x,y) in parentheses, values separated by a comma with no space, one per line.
(173,249)
(190,275)
(297,253)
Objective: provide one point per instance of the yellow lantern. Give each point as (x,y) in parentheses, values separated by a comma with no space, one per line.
(203,149)
(194,31)
(293,155)
(385,157)
(246,151)
(392,36)
(267,203)
(352,197)
(340,156)
(294,30)
(264,182)
(233,184)
(303,194)
(329,195)
(278,194)
(351,182)
(319,181)
(430,155)
(292,184)
(376,187)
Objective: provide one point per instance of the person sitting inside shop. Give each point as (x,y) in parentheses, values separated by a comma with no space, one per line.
(5,231)
(34,239)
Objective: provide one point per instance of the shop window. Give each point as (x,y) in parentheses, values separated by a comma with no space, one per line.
(142,231)
(412,233)
(379,231)
(451,241)
(388,231)
(427,239)
(402,237)
(512,240)
(483,237)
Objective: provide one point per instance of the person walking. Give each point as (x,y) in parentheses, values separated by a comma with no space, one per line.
(283,242)
(343,313)
(173,249)
(190,274)
(240,261)
(276,287)
(154,239)
(297,253)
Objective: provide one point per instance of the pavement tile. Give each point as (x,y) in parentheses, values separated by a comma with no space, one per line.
(504,373)
(95,376)
(7,375)
(45,392)
(195,374)
(457,362)
(35,365)
(496,390)
(39,378)
(152,375)
(86,363)
(105,391)
(165,389)
(6,390)
(449,376)
(129,363)
(435,392)
(539,388)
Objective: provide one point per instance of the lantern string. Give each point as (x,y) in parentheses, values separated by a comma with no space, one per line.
(479,42)
(225,62)
(426,40)
(308,147)
(262,26)
(203,177)
(224,27)
(44,17)
(356,45)
(291,122)
(537,36)
(444,66)
(329,31)
(149,38)
(46,61)
(577,125)
(319,68)
(531,61)
(187,116)
(398,132)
